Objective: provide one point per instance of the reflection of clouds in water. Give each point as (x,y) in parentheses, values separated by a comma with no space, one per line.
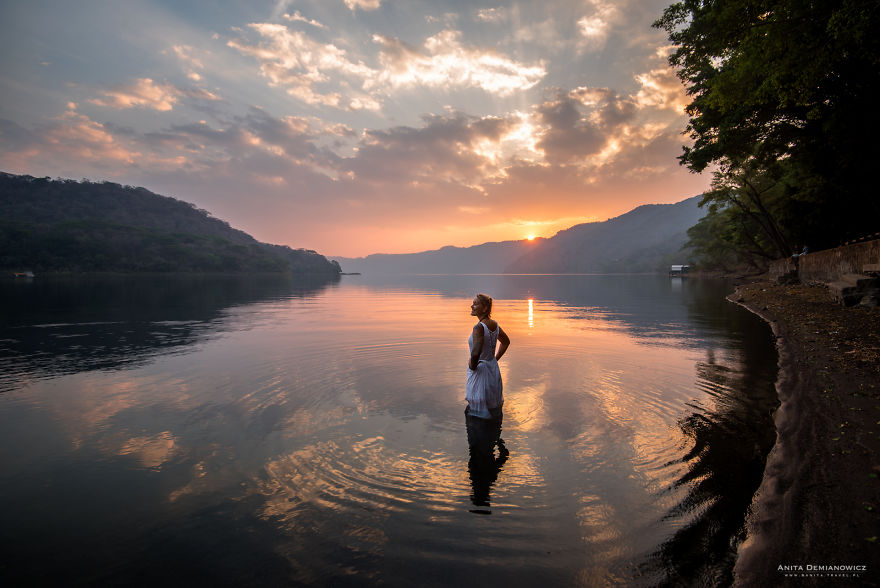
(214,470)
(614,400)
(524,407)
(307,422)
(89,409)
(335,499)
(600,527)
(357,476)
(151,451)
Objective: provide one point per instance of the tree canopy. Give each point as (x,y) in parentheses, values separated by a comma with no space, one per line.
(783,111)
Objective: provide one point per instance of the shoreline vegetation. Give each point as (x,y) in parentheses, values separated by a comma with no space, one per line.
(819,500)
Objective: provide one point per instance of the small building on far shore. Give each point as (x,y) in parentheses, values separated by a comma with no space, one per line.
(678,270)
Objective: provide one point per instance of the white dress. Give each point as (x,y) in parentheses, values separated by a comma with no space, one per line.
(483,389)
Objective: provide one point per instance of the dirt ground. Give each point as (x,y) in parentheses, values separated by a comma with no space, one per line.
(819,502)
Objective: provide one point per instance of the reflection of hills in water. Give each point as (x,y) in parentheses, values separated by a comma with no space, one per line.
(729,443)
(67,325)
(647,305)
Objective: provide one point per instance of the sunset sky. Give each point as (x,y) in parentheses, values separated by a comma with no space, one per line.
(353,126)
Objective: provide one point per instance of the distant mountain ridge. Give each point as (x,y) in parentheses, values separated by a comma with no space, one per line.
(479,259)
(66,225)
(642,240)
(645,239)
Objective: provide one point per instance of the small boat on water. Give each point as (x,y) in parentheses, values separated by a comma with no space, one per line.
(25,274)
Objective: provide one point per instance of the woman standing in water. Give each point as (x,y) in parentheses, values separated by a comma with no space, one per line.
(484,388)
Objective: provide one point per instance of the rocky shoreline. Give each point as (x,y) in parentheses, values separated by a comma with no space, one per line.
(815,519)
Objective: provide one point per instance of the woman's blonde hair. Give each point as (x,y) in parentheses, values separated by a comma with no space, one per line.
(487,302)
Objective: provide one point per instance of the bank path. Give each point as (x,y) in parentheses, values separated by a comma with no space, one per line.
(818,508)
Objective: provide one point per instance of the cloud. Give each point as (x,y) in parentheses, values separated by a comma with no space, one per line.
(303,66)
(457,154)
(448,19)
(322,74)
(594,30)
(73,141)
(492,14)
(145,93)
(595,27)
(185,54)
(661,88)
(297,17)
(584,126)
(446,149)
(262,145)
(363,4)
(455,149)
(543,34)
(446,63)
(192,65)
(69,139)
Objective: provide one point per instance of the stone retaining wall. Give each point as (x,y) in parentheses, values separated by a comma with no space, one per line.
(782,269)
(828,265)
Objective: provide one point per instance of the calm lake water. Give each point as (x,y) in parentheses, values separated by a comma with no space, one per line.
(265,431)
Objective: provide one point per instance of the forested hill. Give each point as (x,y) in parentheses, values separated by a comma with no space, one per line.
(66,225)
(646,239)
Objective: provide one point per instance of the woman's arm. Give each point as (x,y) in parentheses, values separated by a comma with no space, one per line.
(504,341)
(477,348)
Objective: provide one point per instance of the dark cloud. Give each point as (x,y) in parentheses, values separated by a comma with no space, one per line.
(615,111)
(294,136)
(581,122)
(441,150)
(570,137)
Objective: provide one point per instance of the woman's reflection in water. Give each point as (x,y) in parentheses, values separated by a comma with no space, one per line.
(484,464)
